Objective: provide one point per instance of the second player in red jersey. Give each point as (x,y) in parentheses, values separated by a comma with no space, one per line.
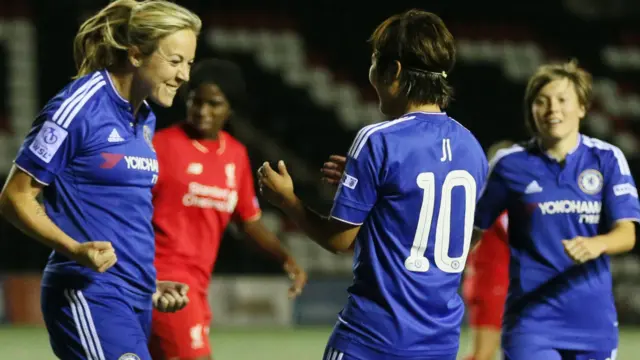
(205,182)
(486,284)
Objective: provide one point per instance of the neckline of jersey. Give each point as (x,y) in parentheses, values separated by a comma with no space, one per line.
(424,113)
(207,145)
(115,95)
(569,154)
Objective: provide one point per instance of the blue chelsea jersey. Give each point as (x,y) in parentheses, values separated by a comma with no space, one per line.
(99,166)
(564,305)
(412,185)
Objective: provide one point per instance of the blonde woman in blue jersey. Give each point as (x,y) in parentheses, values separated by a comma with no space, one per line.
(572,203)
(90,154)
(405,204)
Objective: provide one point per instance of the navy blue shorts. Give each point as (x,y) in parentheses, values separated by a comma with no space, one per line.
(95,323)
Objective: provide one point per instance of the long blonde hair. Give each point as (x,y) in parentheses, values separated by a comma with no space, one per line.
(103,40)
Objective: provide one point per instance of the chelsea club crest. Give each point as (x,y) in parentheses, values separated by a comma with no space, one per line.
(590,181)
(148,136)
(129,356)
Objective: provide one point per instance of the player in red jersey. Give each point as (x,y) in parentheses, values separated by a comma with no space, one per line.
(486,283)
(205,182)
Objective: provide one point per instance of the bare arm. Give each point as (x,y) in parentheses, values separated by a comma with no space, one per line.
(620,239)
(265,240)
(19,205)
(269,243)
(333,235)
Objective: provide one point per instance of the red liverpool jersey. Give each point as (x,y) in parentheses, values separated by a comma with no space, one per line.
(202,186)
(492,250)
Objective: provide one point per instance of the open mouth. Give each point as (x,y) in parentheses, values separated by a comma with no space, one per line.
(172,88)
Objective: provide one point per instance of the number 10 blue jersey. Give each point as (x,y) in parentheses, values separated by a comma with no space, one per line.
(412,184)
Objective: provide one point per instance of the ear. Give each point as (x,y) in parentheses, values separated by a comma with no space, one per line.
(135,56)
(583,112)
(398,70)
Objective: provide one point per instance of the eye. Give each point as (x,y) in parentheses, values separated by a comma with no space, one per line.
(539,101)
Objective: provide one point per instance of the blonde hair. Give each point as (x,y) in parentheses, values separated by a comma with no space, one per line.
(580,78)
(103,40)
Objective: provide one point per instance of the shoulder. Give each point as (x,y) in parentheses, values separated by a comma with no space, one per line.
(77,103)
(231,143)
(168,133)
(372,134)
(508,157)
(606,153)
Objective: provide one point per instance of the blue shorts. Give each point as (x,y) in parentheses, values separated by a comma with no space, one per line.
(539,353)
(95,323)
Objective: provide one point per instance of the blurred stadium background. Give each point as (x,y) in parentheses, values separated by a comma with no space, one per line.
(306,63)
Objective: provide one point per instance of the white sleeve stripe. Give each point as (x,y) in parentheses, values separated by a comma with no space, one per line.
(85,98)
(494,161)
(370,131)
(72,105)
(78,93)
(599,144)
(359,137)
(345,221)
(30,174)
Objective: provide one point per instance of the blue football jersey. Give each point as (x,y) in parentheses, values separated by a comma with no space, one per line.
(561,304)
(99,165)
(412,184)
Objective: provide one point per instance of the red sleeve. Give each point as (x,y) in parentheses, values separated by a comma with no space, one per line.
(248,208)
(502,224)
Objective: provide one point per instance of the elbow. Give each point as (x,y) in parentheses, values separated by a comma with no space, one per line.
(631,242)
(626,238)
(9,204)
(341,246)
(5,204)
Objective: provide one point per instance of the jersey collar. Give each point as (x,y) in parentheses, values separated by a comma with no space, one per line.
(207,146)
(119,100)
(570,154)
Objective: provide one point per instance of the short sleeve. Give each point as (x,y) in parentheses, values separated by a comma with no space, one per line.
(493,198)
(52,142)
(620,193)
(248,208)
(358,189)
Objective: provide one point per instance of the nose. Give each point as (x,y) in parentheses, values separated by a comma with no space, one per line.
(203,110)
(183,72)
(554,105)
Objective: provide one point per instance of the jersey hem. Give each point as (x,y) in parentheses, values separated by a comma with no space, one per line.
(253,218)
(345,221)
(581,342)
(632,219)
(344,342)
(30,174)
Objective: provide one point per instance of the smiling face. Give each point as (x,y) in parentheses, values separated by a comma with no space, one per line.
(557,111)
(167,68)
